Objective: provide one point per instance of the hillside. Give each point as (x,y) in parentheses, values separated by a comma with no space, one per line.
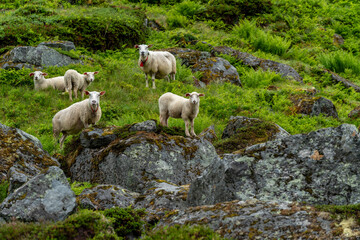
(319,40)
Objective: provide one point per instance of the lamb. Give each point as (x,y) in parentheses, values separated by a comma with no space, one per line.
(157,64)
(175,106)
(41,83)
(77,81)
(79,115)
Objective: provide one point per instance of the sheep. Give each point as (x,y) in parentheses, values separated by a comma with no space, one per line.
(157,64)
(79,115)
(175,106)
(41,83)
(77,81)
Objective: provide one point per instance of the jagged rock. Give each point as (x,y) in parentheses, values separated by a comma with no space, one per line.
(103,197)
(314,106)
(216,69)
(242,132)
(355,113)
(21,156)
(46,197)
(285,70)
(133,157)
(161,197)
(253,219)
(321,167)
(35,57)
(209,134)
(148,126)
(96,138)
(64,45)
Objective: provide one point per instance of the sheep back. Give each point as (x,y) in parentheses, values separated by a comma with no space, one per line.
(160,63)
(74,79)
(172,104)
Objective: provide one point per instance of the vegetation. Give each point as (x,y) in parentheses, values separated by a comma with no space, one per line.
(297,33)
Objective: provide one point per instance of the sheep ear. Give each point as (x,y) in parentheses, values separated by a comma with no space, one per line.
(102,93)
(136,46)
(187,95)
(149,46)
(44,74)
(32,74)
(201,94)
(86,92)
(85,73)
(96,72)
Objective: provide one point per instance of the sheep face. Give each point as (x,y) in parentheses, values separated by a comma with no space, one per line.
(194,97)
(37,75)
(90,76)
(143,50)
(94,99)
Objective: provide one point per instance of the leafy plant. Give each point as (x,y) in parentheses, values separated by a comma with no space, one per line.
(3,190)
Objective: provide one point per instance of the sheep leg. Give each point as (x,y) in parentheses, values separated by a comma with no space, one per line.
(153,81)
(146,80)
(187,127)
(168,79)
(82,93)
(75,91)
(172,76)
(62,139)
(70,94)
(163,119)
(192,128)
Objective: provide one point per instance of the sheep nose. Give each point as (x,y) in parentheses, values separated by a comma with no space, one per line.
(93,102)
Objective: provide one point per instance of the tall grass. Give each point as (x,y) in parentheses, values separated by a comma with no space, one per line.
(339,61)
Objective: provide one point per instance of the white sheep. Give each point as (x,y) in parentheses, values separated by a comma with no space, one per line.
(76,81)
(41,83)
(157,64)
(175,106)
(79,115)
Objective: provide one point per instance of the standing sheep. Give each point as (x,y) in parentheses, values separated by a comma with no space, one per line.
(41,83)
(79,115)
(77,81)
(172,105)
(157,64)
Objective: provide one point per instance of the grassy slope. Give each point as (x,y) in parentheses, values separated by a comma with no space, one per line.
(127,100)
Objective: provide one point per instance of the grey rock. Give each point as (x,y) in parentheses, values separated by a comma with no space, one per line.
(355,113)
(284,70)
(64,45)
(143,155)
(46,197)
(324,106)
(338,39)
(96,138)
(321,167)
(209,134)
(344,81)
(253,219)
(148,126)
(103,197)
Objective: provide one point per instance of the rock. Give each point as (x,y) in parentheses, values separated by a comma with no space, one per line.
(253,219)
(46,197)
(96,138)
(103,197)
(134,157)
(284,70)
(355,113)
(35,57)
(217,69)
(314,106)
(241,132)
(64,45)
(344,81)
(148,126)
(338,39)
(321,167)
(161,197)
(189,57)
(22,156)
(209,134)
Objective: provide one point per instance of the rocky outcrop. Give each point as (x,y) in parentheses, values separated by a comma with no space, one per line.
(321,167)
(284,70)
(253,219)
(134,156)
(36,57)
(103,197)
(46,197)
(313,106)
(21,156)
(355,113)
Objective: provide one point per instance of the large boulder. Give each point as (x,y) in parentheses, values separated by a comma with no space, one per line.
(22,156)
(46,197)
(313,106)
(253,219)
(321,167)
(136,156)
(35,57)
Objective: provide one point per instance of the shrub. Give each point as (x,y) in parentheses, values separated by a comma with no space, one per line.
(189,8)
(176,20)
(339,61)
(126,221)
(16,77)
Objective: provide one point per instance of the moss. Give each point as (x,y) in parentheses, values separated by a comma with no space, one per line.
(342,211)
(303,103)
(255,132)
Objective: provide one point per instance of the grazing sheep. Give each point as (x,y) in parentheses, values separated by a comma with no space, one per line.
(41,83)
(157,64)
(79,115)
(172,105)
(77,81)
